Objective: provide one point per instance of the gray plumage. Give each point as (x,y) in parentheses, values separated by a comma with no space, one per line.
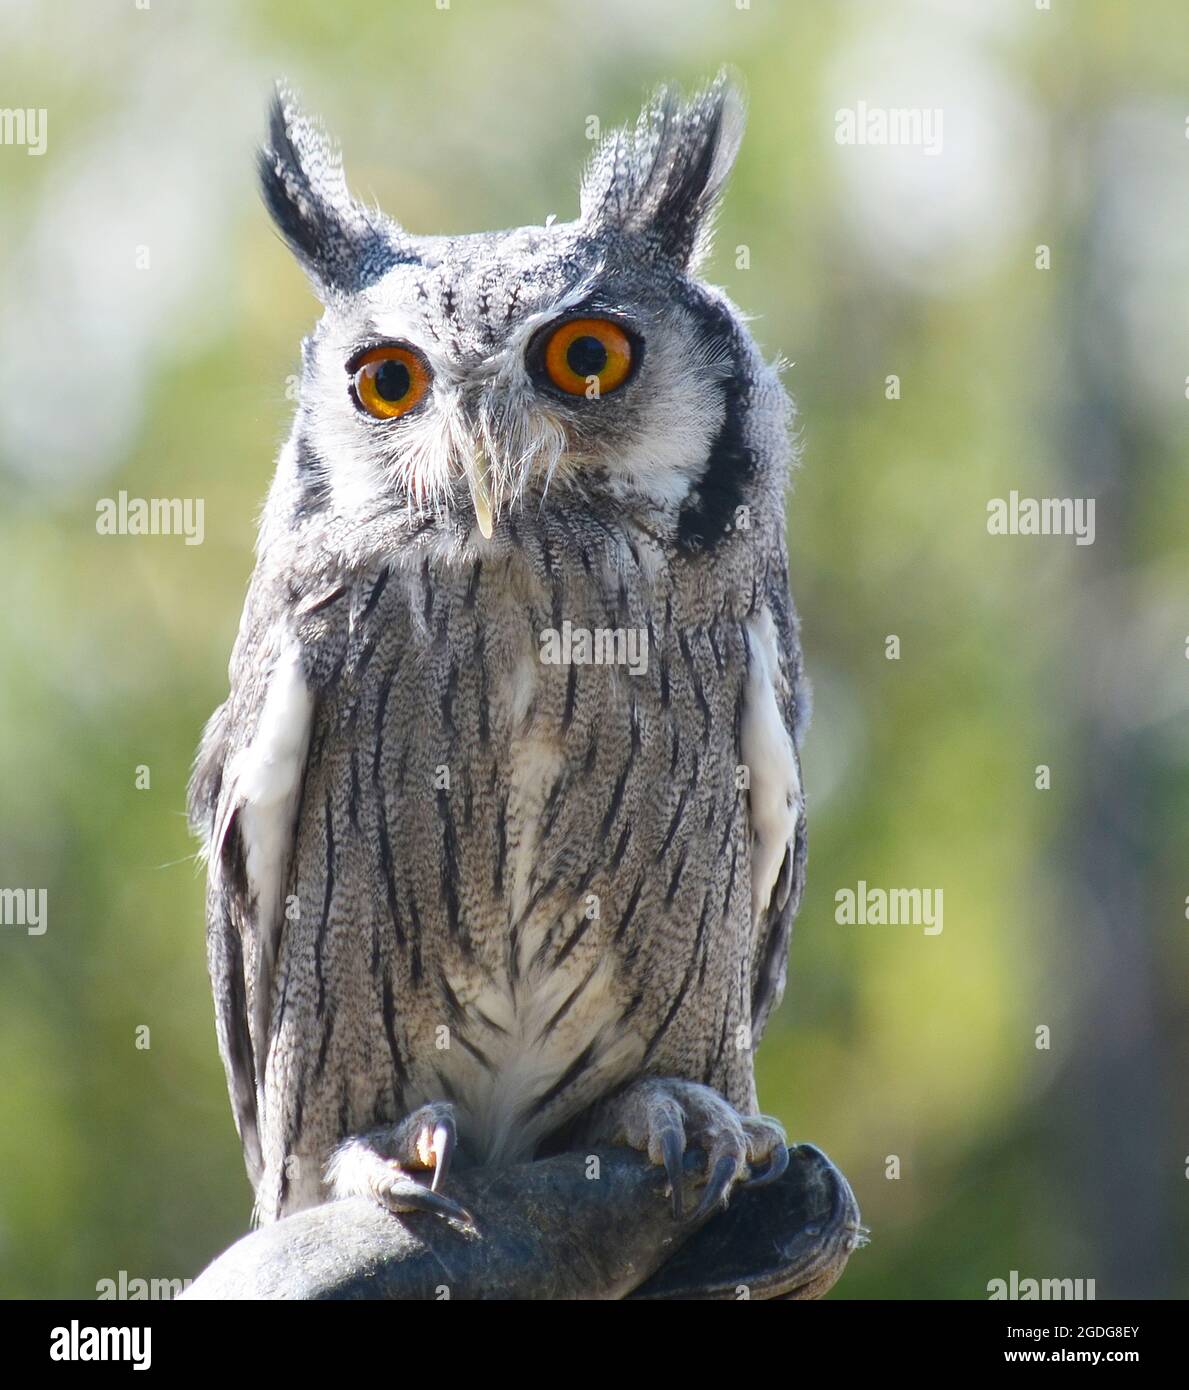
(524,904)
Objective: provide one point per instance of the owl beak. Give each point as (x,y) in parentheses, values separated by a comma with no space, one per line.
(478,480)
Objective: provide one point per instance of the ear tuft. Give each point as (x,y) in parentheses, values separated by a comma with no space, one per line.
(341,245)
(663,179)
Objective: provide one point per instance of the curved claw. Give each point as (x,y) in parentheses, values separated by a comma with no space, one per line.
(442,1147)
(673,1152)
(717,1185)
(777,1166)
(408,1195)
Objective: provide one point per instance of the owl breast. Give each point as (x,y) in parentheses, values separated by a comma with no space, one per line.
(522,860)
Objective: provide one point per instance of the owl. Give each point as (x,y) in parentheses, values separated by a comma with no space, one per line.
(502,817)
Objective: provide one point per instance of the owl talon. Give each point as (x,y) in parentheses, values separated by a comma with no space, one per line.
(381,1165)
(778,1163)
(665,1117)
(402,1193)
(442,1146)
(673,1151)
(718,1186)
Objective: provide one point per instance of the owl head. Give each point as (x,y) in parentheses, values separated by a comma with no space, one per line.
(462,377)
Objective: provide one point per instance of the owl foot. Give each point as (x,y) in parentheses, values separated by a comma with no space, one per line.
(665,1117)
(382,1163)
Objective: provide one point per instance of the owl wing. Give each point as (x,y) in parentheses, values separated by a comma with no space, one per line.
(244,798)
(774,712)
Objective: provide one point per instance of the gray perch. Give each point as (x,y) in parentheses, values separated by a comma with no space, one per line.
(547,1230)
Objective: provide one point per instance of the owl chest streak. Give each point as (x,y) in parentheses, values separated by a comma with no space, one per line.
(538,869)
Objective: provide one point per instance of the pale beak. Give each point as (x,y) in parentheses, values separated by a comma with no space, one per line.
(480,488)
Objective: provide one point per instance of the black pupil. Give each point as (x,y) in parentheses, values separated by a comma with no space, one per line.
(586,356)
(392,381)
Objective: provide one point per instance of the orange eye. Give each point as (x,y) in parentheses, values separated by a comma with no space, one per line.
(389,381)
(588,357)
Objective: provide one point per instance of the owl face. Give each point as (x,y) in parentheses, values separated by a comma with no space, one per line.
(468,376)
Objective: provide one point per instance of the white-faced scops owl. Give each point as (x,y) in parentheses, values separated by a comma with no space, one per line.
(503,814)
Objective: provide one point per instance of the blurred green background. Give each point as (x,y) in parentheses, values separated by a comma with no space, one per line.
(1064,127)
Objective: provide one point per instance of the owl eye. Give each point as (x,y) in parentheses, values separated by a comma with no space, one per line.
(588,357)
(388,381)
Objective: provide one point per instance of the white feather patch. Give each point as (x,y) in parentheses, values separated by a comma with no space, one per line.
(264,784)
(528,1056)
(767,747)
